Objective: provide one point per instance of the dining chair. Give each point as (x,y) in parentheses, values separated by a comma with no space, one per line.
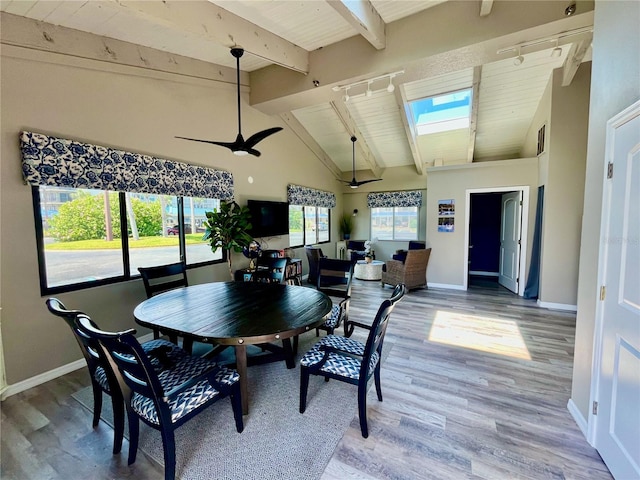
(269,270)
(334,279)
(167,399)
(103,379)
(162,278)
(314,254)
(349,360)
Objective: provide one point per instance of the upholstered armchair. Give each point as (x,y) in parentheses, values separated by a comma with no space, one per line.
(413,272)
(355,250)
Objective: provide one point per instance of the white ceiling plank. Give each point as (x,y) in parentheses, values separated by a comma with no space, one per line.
(218,25)
(364,19)
(43,9)
(410,132)
(19,8)
(310,143)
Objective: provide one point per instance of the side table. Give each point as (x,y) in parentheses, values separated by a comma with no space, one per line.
(368,271)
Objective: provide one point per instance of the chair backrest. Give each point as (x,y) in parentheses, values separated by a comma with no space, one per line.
(379,328)
(314,254)
(417,259)
(128,357)
(270,270)
(161,278)
(356,245)
(335,277)
(90,349)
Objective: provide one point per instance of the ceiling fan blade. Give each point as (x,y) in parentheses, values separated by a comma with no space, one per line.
(258,137)
(230,145)
(362,182)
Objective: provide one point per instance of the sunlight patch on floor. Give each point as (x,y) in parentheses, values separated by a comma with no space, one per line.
(486,334)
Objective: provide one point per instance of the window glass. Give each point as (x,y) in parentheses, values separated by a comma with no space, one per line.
(296,234)
(81,235)
(323,224)
(442,113)
(394,223)
(308,225)
(197,250)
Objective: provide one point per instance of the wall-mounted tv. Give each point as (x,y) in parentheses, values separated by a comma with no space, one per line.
(268,219)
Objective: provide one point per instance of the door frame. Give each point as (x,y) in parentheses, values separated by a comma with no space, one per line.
(616,121)
(524,228)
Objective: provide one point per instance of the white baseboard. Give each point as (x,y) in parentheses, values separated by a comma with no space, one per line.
(558,306)
(484,274)
(52,374)
(445,286)
(578,418)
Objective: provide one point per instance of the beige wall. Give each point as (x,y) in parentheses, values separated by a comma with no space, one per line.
(615,85)
(564,188)
(446,264)
(135,110)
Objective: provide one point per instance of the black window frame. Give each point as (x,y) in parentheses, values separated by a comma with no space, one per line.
(126,276)
(304,230)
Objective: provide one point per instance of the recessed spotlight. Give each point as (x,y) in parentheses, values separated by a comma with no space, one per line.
(570,10)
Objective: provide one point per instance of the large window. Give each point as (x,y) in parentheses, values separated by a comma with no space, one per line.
(394,223)
(308,225)
(91,237)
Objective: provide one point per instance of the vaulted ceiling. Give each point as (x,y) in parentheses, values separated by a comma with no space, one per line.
(302,54)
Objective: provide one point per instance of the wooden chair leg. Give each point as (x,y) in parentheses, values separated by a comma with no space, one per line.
(376,376)
(169,447)
(118,422)
(236,405)
(134,434)
(304,386)
(97,402)
(362,409)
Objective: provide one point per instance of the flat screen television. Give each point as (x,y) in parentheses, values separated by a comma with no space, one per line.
(268,219)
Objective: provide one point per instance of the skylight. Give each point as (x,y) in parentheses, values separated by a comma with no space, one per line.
(442,113)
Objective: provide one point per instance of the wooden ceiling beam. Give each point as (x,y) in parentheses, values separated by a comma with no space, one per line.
(222,27)
(363,18)
(574,58)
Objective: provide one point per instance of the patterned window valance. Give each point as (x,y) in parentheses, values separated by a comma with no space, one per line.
(410,198)
(66,163)
(311,197)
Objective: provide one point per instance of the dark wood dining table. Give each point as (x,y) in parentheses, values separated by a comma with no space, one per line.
(237,314)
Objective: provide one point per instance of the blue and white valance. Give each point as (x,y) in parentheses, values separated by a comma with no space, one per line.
(66,163)
(409,198)
(310,197)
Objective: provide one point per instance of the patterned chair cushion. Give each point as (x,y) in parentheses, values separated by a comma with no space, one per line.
(101,377)
(334,317)
(338,364)
(191,398)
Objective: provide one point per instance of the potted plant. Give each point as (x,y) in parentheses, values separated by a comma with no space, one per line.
(228,229)
(346,226)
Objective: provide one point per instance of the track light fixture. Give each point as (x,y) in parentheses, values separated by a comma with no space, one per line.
(390,87)
(519,59)
(556,52)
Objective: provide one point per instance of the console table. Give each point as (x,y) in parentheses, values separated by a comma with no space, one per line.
(292,272)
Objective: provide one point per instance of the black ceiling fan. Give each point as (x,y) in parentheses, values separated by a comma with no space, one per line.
(354,183)
(241,146)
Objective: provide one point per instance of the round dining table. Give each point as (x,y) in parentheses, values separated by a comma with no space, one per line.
(237,314)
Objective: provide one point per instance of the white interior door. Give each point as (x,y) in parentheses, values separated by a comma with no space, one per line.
(510,240)
(617,421)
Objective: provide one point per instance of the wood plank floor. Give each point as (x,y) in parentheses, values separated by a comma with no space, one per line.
(475,386)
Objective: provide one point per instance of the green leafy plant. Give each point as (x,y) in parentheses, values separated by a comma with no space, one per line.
(227,229)
(346,226)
